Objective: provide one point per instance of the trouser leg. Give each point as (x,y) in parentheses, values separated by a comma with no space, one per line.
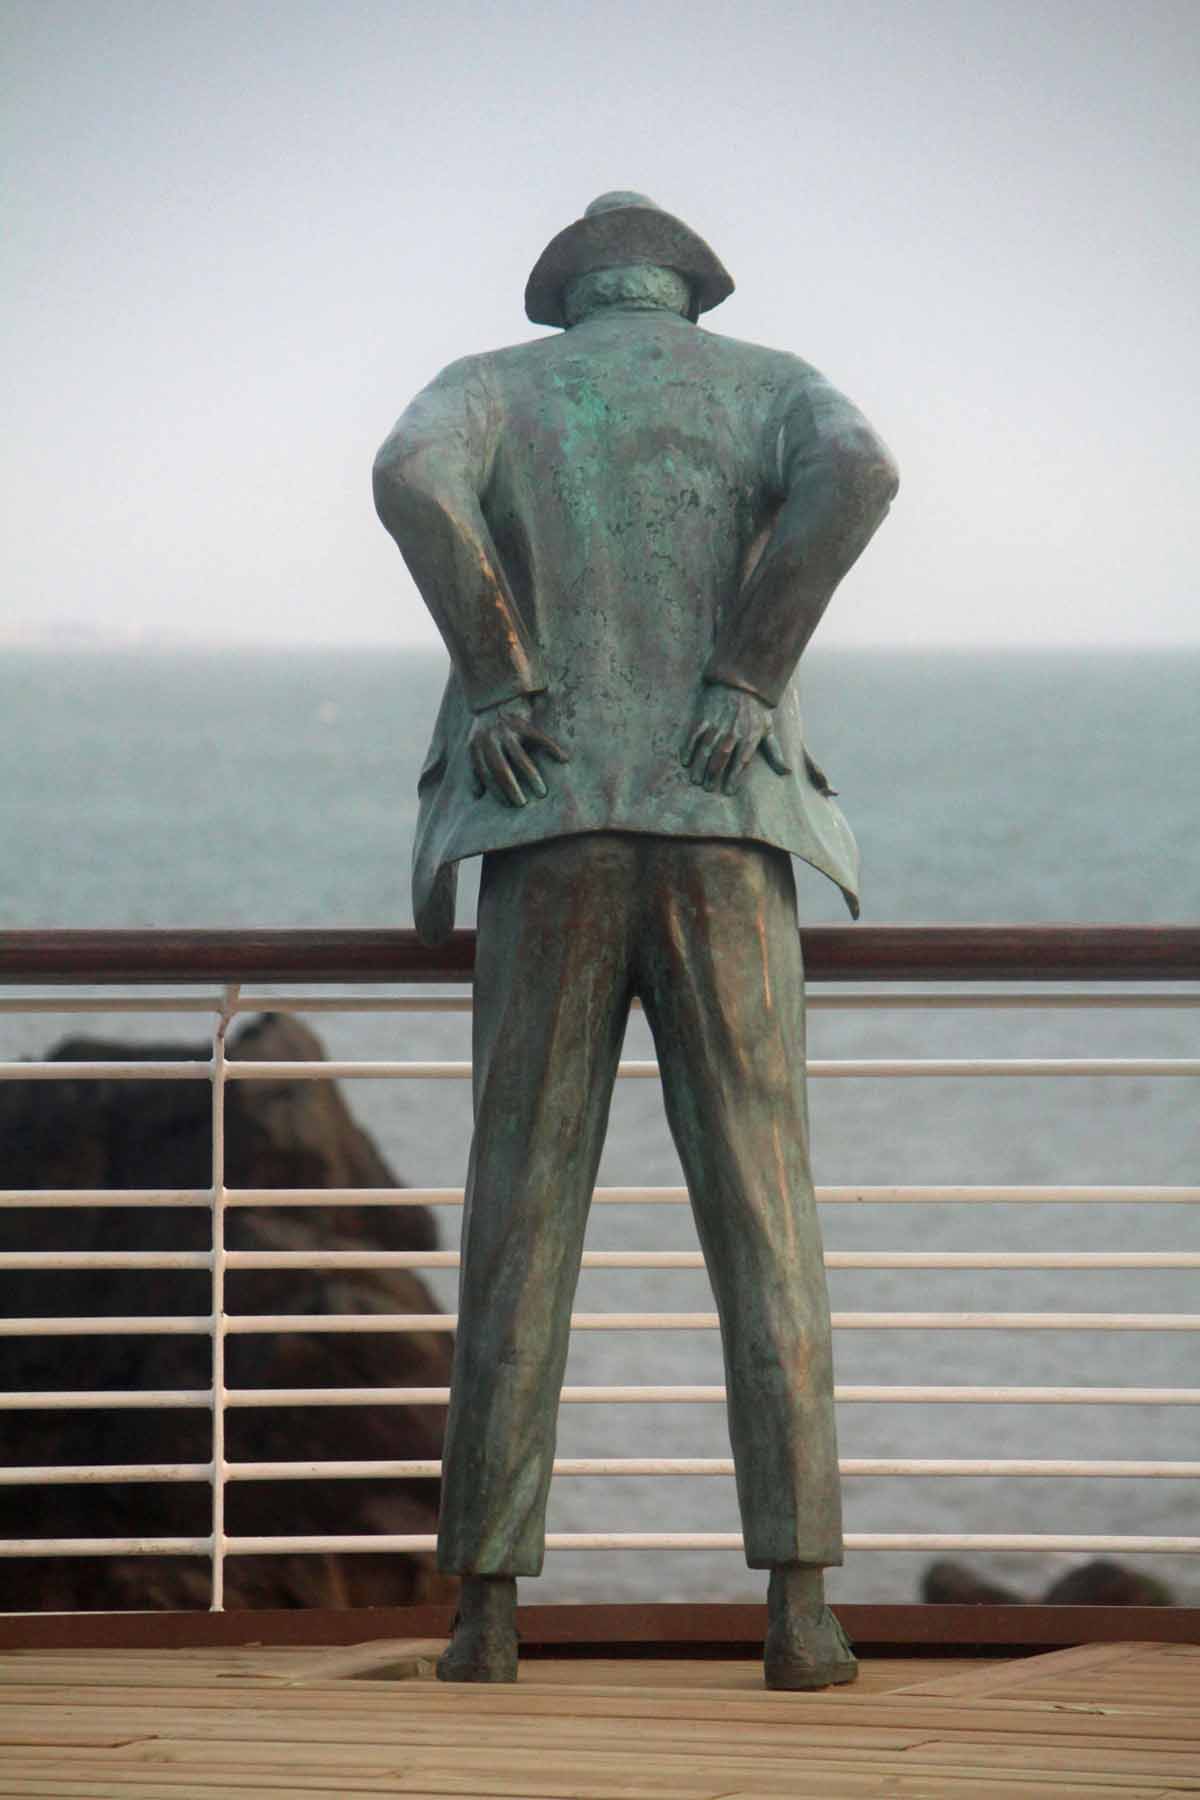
(722,981)
(551,1001)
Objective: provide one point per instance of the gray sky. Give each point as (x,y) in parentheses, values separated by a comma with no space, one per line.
(242,233)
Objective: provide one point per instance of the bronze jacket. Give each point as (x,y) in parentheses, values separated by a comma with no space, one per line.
(603,520)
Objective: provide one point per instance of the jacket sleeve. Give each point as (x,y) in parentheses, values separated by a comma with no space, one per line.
(429,479)
(832,482)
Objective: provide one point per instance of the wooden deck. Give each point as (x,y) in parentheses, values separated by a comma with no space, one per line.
(1107,1719)
(1120,1721)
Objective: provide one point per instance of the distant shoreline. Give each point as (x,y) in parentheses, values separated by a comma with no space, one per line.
(50,643)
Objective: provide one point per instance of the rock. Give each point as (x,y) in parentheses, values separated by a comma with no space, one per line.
(947,1583)
(1098,1583)
(157,1134)
(1101,1583)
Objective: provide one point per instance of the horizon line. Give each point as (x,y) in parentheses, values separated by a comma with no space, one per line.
(136,641)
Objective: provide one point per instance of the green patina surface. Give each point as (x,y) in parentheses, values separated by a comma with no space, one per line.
(627,534)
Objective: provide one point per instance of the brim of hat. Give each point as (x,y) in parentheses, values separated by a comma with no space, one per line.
(609,240)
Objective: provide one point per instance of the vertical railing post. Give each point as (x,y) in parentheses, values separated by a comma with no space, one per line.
(219,1465)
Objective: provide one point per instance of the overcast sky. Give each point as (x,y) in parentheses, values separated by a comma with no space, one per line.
(242,233)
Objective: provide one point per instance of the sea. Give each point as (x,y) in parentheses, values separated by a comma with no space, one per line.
(160,788)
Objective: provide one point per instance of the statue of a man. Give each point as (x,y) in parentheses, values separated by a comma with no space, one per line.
(627,532)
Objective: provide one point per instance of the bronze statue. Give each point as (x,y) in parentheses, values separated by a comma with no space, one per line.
(627,533)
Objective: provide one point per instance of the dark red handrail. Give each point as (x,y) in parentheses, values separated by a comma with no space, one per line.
(832,953)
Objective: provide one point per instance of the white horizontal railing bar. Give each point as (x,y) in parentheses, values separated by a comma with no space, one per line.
(104,1400)
(861,1195)
(129,1546)
(732,1540)
(1014,1321)
(429,1469)
(132,1003)
(1023,999)
(48,1260)
(364,1003)
(120,1003)
(105,1259)
(430,1196)
(93,1474)
(1016,1066)
(352,1259)
(856,1195)
(1016,1396)
(246,1323)
(1045,1195)
(68,1197)
(1107,1468)
(673,1466)
(1093,1544)
(172,1325)
(106,1071)
(439,1396)
(819,1069)
(360,1071)
(256,1324)
(597,1540)
(628,1259)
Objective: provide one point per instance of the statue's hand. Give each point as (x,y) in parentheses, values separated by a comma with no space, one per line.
(729,726)
(500,761)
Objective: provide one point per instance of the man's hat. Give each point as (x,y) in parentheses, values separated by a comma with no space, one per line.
(618,229)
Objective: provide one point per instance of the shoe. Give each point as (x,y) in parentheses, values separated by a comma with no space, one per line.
(483,1644)
(805,1647)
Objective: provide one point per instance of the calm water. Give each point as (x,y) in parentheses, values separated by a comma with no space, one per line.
(245,789)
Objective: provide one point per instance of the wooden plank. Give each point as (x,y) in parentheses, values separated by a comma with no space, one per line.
(623,1776)
(241,1711)
(179,1668)
(666,1748)
(1118,1766)
(35,1784)
(402,1659)
(808,1778)
(680,1766)
(629,1775)
(740,1676)
(383,1734)
(1031,1673)
(817,1779)
(931,1787)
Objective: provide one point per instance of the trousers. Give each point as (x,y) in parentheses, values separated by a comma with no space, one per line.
(704,932)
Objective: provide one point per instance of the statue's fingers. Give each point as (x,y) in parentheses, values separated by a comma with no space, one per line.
(533,734)
(720,757)
(690,747)
(773,752)
(524,766)
(478,774)
(504,783)
(702,753)
(736,772)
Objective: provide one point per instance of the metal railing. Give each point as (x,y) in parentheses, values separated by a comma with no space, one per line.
(1169,958)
